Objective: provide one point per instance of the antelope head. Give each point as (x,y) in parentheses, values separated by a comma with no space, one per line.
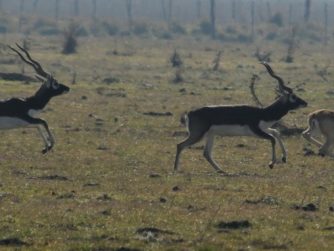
(285,93)
(49,82)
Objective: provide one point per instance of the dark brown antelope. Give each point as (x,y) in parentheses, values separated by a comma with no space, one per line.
(21,112)
(240,120)
(321,122)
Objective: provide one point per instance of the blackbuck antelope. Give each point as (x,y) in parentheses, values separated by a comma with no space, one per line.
(240,120)
(321,122)
(17,112)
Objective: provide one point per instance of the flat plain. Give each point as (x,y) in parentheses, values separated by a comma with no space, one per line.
(108,184)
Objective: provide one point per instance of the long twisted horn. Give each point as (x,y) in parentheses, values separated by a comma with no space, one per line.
(282,87)
(37,66)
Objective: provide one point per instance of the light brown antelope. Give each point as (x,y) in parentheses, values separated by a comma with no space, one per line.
(21,112)
(240,120)
(321,122)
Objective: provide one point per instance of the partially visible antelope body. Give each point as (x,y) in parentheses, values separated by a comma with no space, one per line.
(240,120)
(22,112)
(321,122)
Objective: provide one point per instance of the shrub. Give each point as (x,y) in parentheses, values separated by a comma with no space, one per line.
(205,27)
(271,35)
(277,19)
(175,59)
(70,39)
(178,29)
(111,29)
(140,29)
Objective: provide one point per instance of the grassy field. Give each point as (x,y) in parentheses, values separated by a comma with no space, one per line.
(108,184)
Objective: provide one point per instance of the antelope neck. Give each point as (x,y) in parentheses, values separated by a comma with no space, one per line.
(40,99)
(275,111)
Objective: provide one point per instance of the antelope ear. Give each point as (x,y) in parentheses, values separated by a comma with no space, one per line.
(49,81)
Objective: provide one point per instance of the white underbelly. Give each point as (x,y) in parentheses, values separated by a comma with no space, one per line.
(231,130)
(10,123)
(239,130)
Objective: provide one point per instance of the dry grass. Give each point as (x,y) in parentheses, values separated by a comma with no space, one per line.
(110,172)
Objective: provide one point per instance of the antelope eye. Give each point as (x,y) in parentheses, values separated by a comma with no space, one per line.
(293,98)
(55,85)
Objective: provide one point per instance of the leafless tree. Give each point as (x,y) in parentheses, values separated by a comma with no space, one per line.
(170,13)
(234,10)
(199,7)
(76,7)
(163,9)
(269,10)
(35,4)
(326,23)
(57,10)
(307,10)
(253,19)
(21,14)
(94,3)
(290,14)
(213,18)
(129,12)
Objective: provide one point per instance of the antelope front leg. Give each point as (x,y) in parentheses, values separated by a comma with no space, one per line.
(276,134)
(273,158)
(264,135)
(50,137)
(48,140)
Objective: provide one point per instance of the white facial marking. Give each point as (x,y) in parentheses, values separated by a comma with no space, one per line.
(11,122)
(55,85)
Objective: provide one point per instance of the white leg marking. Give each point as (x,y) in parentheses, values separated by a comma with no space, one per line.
(208,152)
(276,135)
(45,138)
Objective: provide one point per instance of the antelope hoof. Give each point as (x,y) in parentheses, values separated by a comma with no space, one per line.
(271,165)
(222,172)
(284,159)
(46,149)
